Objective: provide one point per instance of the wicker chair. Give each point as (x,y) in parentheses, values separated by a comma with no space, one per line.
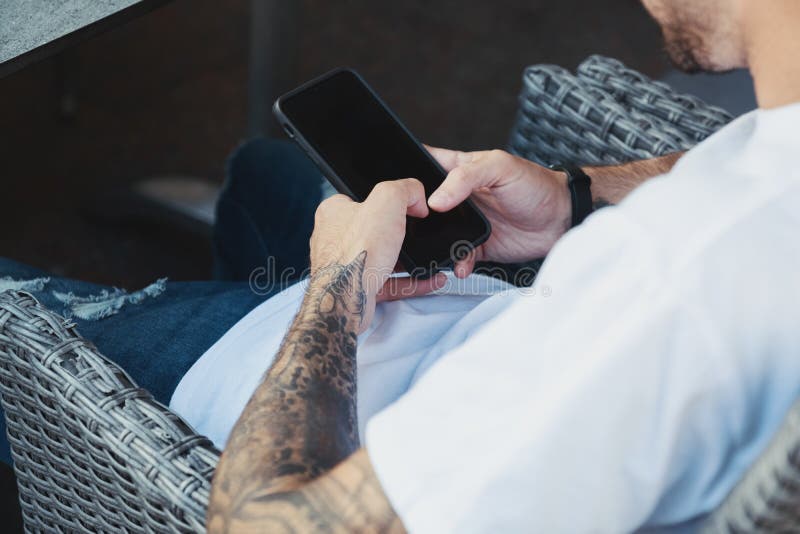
(93,452)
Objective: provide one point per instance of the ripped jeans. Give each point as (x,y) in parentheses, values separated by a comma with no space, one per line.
(265,215)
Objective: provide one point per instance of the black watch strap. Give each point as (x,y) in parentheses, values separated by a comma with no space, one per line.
(580,190)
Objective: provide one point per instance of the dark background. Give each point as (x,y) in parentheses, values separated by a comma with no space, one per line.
(166,94)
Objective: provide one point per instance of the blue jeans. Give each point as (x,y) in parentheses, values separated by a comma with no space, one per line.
(265,215)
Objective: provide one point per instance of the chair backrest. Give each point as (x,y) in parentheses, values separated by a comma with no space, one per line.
(604,114)
(91,450)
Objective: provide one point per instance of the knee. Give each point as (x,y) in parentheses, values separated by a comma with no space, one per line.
(259,163)
(254,154)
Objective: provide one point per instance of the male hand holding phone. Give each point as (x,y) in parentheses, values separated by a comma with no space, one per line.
(302,419)
(527,205)
(357,142)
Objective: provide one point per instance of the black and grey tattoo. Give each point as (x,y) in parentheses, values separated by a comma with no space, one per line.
(301,422)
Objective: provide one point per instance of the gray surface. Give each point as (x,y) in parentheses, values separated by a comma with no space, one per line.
(28,24)
(732,91)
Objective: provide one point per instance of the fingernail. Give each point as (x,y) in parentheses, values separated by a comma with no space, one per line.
(438,199)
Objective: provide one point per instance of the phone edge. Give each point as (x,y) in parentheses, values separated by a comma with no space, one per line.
(480,239)
(339,184)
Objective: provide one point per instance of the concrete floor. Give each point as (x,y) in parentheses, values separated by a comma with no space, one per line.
(167,94)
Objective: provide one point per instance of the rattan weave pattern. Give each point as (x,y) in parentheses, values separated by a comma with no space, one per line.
(605,114)
(767,500)
(92,451)
(693,118)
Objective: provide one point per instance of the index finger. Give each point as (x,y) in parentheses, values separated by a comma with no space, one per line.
(410,191)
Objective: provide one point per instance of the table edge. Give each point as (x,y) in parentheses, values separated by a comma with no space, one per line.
(79,35)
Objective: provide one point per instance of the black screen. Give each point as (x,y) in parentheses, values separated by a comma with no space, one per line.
(350,129)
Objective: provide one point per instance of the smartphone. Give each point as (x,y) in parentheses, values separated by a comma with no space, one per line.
(357,142)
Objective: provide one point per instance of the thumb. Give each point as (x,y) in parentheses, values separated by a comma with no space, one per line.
(486,169)
(482,171)
(456,187)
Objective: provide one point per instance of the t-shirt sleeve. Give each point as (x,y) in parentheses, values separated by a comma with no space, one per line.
(576,409)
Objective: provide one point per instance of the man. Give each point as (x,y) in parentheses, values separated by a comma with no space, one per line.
(630,387)
(634,395)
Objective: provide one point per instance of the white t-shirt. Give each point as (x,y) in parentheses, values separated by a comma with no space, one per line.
(650,365)
(403,340)
(643,387)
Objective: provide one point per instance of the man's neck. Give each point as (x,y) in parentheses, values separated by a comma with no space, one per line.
(773,50)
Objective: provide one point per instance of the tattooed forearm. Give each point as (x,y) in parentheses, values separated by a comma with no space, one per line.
(301,421)
(349,499)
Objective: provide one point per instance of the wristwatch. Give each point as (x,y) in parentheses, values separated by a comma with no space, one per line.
(580,191)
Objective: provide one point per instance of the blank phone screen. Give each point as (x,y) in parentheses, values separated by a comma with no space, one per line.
(350,129)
